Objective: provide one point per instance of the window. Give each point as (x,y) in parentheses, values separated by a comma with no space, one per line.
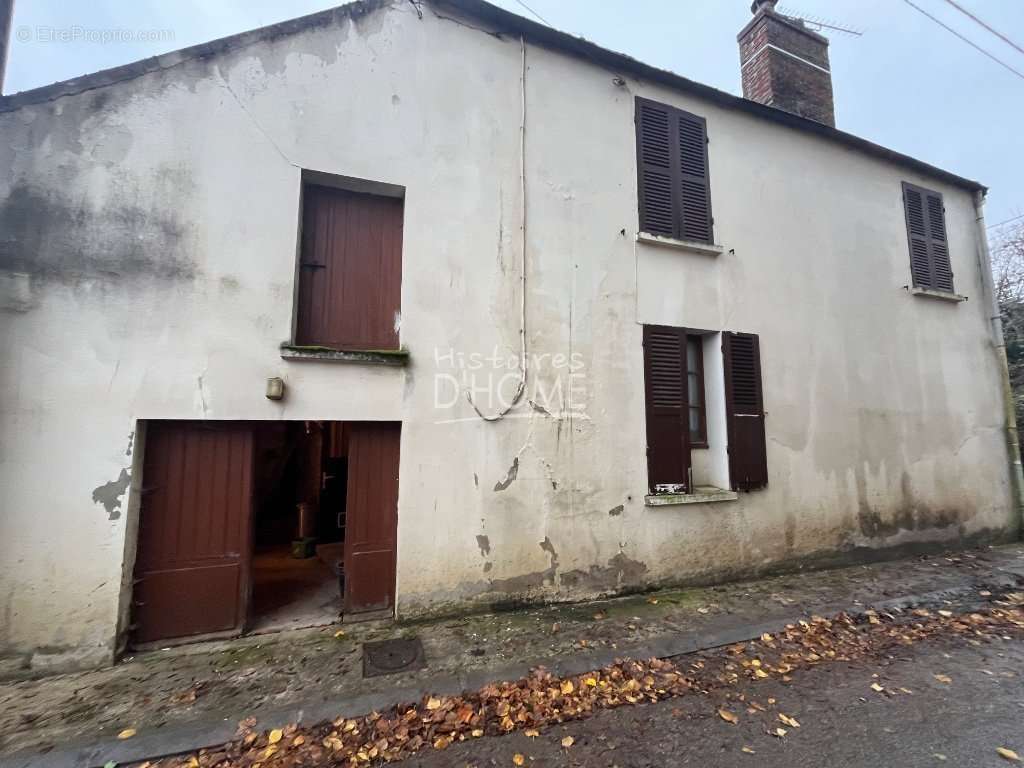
(676,411)
(698,421)
(672,167)
(350,270)
(926,232)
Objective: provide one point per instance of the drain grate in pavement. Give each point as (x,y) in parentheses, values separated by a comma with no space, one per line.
(389,657)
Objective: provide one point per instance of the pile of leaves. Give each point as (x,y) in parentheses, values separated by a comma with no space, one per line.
(542,700)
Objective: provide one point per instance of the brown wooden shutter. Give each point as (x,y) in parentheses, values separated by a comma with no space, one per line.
(926,231)
(673,179)
(657,173)
(744,410)
(668,433)
(350,276)
(695,191)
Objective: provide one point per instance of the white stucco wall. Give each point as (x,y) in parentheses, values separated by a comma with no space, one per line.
(149,235)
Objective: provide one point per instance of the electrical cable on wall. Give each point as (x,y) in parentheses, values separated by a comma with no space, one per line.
(521,387)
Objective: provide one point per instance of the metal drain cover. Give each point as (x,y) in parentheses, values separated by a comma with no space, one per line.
(389,657)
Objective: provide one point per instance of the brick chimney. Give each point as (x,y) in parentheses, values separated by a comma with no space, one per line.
(785,65)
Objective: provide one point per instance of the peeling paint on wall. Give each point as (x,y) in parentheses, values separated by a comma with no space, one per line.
(485,545)
(513,471)
(530,581)
(110,494)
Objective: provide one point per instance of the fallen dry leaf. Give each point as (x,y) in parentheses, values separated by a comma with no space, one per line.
(441,743)
(127,733)
(1008,754)
(943,678)
(749,751)
(541,699)
(275,735)
(531,733)
(340,633)
(728,716)
(518,759)
(877,687)
(790,721)
(568,741)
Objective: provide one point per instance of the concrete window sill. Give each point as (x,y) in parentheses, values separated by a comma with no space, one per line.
(693,246)
(701,495)
(941,295)
(365,356)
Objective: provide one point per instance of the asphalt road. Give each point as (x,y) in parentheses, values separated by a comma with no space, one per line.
(843,721)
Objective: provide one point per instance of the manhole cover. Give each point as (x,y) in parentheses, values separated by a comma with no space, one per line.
(388,657)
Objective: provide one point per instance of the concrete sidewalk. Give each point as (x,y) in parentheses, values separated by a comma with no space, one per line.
(195,696)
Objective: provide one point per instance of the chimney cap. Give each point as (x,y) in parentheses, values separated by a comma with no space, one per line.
(757,4)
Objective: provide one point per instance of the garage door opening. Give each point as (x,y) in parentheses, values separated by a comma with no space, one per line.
(264,526)
(298,524)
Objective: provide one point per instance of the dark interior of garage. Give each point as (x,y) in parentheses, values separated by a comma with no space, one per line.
(299,489)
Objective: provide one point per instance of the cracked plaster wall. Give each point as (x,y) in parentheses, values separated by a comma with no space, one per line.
(148,256)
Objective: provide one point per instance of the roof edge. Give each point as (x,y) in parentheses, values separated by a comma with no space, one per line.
(104,77)
(502,21)
(540,34)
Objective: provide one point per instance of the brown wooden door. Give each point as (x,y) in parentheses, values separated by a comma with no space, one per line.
(192,566)
(350,270)
(371,516)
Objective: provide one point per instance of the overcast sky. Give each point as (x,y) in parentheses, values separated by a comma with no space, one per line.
(906,83)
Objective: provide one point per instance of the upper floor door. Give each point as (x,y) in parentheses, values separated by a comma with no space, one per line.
(350,270)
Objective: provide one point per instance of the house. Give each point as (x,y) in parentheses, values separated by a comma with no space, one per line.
(417,308)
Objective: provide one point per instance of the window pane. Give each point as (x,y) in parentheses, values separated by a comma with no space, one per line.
(694,390)
(692,352)
(695,424)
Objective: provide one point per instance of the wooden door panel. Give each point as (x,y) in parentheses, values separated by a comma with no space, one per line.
(350,270)
(192,565)
(371,516)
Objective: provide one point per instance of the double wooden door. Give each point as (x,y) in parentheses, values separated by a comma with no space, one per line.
(193,565)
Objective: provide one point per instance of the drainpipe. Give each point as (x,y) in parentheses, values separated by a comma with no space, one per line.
(6,18)
(999,344)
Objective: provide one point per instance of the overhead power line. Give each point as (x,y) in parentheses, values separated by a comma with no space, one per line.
(1003,223)
(970,42)
(542,19)
(995,32)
